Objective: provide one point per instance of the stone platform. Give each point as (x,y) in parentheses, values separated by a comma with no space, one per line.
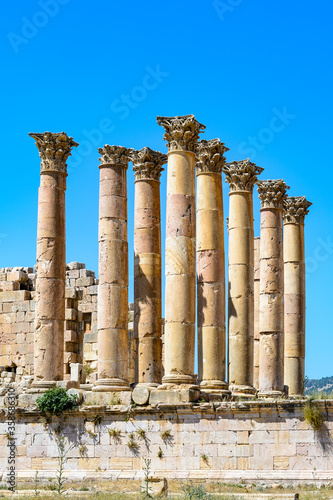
(251,441)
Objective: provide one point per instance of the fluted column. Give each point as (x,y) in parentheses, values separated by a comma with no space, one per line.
(294,293)
(54,149)
(210,266)
(256,293)
(147,264)
(272,194)
(112,316)
(182,134)
(241,177)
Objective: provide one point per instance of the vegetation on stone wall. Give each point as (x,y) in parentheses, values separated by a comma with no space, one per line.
(56,400)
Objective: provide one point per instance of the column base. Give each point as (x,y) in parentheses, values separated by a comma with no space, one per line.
(215,387)
(271,394)
(111,385)
(245,391)
(174,396)
(40,386)
(179,379)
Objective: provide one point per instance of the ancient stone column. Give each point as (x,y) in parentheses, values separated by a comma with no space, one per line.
(210,267)
(272,194)
(54,149)
(241,176)
(294,293)
(182,134)
(256,293)
(112,316)
(147,264)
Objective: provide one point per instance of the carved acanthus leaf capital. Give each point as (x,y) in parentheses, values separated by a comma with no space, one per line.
(296,208)
(272,193)
(147,164)
(114,155)
(241,175)
(181,132)
(54,149)
(210,156)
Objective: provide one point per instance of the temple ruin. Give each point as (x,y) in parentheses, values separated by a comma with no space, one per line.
(61,326)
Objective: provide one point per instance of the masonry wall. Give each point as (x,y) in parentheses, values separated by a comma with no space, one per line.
(221,441)
(17,315)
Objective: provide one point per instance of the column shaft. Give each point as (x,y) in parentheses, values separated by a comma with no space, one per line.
(51,276)
(210,267)
(294,294)
(112,316)
(256,292)
(54,150)
(271,350)
(180,269)
(147,264)
(241,305)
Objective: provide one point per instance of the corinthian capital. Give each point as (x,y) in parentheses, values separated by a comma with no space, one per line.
(210,156)
(272,193)
(114,155)
(296,208)
(54,149)
(241,175)
(181,132)
(147,164)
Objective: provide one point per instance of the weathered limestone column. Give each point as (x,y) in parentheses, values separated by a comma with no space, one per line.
(54,149)
(112,316)
(182,134)
(210,266)
(147,264)
(256,293)
(272,194)
(294,293)
(241,177)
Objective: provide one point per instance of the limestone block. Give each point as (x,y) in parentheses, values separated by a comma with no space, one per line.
(113,262)
(179,255)
(173,396)
(210,266)
(211,350)
(210,300)
(83,282)
(180,306)
(207,237)
(271,312)
(7,286)
(180,215)
(112,306)
(240,278)
(181,359)
(181,179)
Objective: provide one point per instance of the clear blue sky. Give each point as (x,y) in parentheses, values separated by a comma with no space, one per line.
(258,74)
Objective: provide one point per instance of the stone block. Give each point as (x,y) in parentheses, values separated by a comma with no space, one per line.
(19,276)
(83,282)
(90,337)
(107,398)
(77,373)
(173,396)
(14,296)
(75,265)
(70,336)
(7,286)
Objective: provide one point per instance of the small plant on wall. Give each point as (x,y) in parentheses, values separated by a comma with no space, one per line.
(312,415)
(56,401)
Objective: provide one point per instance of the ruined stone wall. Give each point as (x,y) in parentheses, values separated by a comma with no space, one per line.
(17,316)
(249,441)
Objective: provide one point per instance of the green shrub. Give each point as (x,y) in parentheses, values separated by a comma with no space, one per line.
(56,400)
(312,415)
